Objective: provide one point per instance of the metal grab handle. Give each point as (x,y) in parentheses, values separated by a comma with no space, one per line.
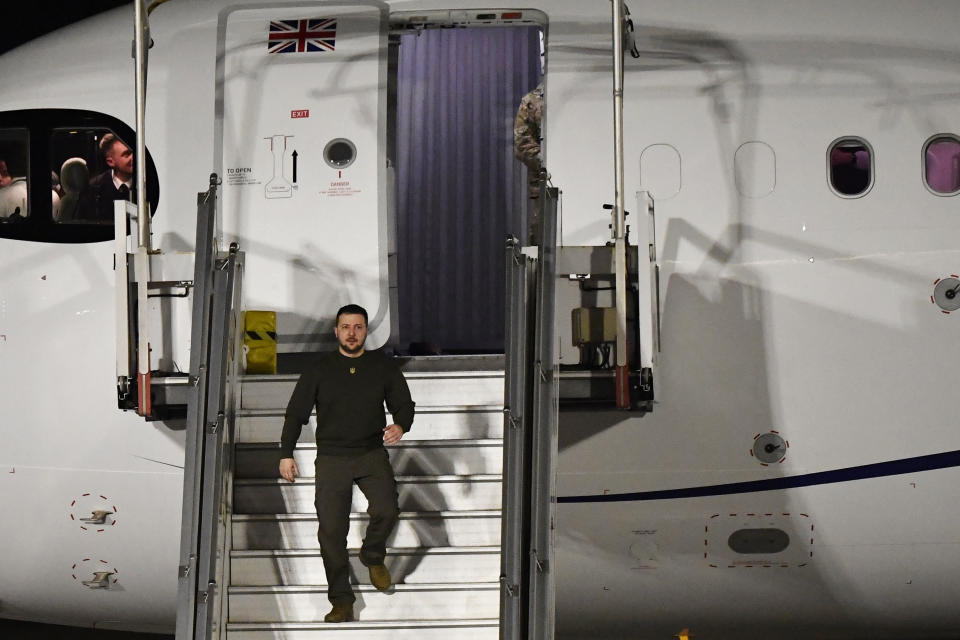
(101,580)
(97,517)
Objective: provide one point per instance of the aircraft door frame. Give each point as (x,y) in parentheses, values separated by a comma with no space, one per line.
(300,147)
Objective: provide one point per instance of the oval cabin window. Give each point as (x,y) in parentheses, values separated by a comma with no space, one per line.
(941,164)
(660,171)
(850,166)
(755,169)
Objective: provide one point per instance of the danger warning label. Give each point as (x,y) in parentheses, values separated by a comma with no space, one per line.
(339,188)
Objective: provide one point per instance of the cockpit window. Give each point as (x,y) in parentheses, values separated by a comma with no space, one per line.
(850,165)
(74,165)
(95,168)
(941,164)
(14,175)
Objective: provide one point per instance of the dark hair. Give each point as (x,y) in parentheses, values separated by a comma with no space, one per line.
(352,308)
(107,142)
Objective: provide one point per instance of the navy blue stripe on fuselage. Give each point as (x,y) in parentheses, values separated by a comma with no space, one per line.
(876,470)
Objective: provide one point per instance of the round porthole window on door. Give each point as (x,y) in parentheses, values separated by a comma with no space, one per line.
(340,153)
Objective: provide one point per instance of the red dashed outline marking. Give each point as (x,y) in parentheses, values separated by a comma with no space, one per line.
(782,565)
(113,569)
(113,522)
(764,464)
(936,282)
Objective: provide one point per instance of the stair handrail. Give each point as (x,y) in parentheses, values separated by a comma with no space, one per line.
(527,581)
(544,442)
(214,366)
(517,407)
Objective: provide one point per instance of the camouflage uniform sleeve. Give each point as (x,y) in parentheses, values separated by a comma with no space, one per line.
(526,134)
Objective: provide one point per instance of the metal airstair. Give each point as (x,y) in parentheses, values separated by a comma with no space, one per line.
(445,553)
(471,556)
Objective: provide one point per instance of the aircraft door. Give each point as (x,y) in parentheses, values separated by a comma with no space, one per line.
(301,109)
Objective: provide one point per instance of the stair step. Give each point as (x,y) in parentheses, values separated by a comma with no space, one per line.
(415,493)
(297,362)
(407,566)
(449,388)
(476,629)
(415,529)
(402,601)
(467,421)
(408,457)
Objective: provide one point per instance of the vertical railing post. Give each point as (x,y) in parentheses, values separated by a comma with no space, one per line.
(618,225)
(141,39)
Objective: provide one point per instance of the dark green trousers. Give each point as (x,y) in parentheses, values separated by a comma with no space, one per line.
(335,476)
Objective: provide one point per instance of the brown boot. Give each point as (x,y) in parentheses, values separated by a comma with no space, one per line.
(380,577)
(340,613)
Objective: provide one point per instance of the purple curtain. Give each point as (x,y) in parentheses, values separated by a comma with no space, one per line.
(460,190)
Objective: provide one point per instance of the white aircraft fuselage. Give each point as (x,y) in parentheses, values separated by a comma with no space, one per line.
(787,308)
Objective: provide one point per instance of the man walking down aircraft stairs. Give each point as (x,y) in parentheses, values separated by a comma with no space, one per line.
(445,553)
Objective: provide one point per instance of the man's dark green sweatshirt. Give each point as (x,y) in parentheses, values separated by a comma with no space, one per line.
(348,394)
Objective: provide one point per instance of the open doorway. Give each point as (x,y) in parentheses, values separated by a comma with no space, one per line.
(460,190)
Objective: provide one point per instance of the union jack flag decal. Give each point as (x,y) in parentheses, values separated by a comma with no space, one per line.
(298,36)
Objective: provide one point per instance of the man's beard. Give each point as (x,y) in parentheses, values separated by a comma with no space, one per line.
(346,347)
